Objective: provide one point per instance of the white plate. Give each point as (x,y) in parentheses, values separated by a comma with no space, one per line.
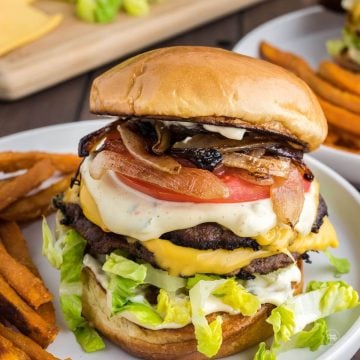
(305,33)
(343,202)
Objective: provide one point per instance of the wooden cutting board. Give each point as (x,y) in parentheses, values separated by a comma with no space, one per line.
(76,47)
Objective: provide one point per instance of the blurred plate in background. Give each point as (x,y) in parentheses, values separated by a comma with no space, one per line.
(305,33)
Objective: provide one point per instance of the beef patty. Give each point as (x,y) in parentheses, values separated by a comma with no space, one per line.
(100,242)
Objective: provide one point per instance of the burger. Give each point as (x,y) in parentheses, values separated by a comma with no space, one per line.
(346,51)
(184,232)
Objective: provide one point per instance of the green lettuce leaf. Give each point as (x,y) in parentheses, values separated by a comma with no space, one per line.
(264,354)
(136,7)
(99,11)
(119,292)
(208,336)
(51,249)
(315,337)
(192,281)
(282,320)
(70,292)
(321,300)
(89,339)
(119,265)
(163,280)
(144,314)
(334,47)
(173,308)
(341,265)
(235,295)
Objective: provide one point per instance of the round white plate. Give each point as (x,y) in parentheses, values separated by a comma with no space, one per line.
(305,33)
(344,207)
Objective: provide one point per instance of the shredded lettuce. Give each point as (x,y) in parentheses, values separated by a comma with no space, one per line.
(119,292)
(136,7)
(315,337)
(119,265)
(233,294)
(208,336)
(264,354)
(163,280)
(144,314)
(99,11)
(173,308)
(192,281)
(51,249)
(334,47)
(70,292)
(290,319)
(341,265)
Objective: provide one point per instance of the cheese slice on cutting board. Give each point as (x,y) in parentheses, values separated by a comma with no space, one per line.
(21,23)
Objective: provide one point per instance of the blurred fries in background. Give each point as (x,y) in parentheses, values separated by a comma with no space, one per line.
(338,91)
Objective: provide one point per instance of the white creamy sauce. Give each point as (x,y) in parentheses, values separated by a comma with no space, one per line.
(95,267)
(226,131)
(132,213)
(275,287)
(309,211)
(229,132)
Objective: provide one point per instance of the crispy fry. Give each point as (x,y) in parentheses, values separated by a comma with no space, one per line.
(9,352)
(20,186)
(15,310)
(340,77)
(301,68)
(12,161)
(341,118)
(26,284)
(16,246)
(31,207)
(26,344)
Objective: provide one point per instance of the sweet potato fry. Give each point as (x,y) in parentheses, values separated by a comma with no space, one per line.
(341,118)
(322,88)
(22,184)
(12,161)
(31,207)
(26,344)
(26,284)
(340,77)
(9,352)
(15,310)
(15,244)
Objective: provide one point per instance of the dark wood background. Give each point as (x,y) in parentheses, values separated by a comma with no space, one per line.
(68,101)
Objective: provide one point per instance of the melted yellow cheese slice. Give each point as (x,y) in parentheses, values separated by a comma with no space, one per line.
(178,260)
(21,23)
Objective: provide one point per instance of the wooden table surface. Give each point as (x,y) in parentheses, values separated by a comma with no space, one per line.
(68,101)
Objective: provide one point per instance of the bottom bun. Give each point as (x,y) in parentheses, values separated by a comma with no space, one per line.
(239,332)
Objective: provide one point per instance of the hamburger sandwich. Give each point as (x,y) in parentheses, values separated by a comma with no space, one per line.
(184,233)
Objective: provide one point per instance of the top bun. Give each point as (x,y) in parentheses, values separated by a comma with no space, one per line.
(214,86)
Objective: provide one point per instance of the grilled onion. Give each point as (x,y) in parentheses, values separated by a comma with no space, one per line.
(268,166)
(189,181)
(287,196)
(137,148)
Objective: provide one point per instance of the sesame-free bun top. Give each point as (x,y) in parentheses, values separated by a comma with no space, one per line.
(211,85)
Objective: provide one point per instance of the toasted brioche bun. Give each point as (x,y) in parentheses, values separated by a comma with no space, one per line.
(239,332)
(211,86)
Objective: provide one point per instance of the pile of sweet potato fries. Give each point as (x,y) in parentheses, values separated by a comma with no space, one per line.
(337,89)
(27,315)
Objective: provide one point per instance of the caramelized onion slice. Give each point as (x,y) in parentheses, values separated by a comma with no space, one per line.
(163,138)
(265,165)
(287,196)
(89,142)
(137,148)
(189,181)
